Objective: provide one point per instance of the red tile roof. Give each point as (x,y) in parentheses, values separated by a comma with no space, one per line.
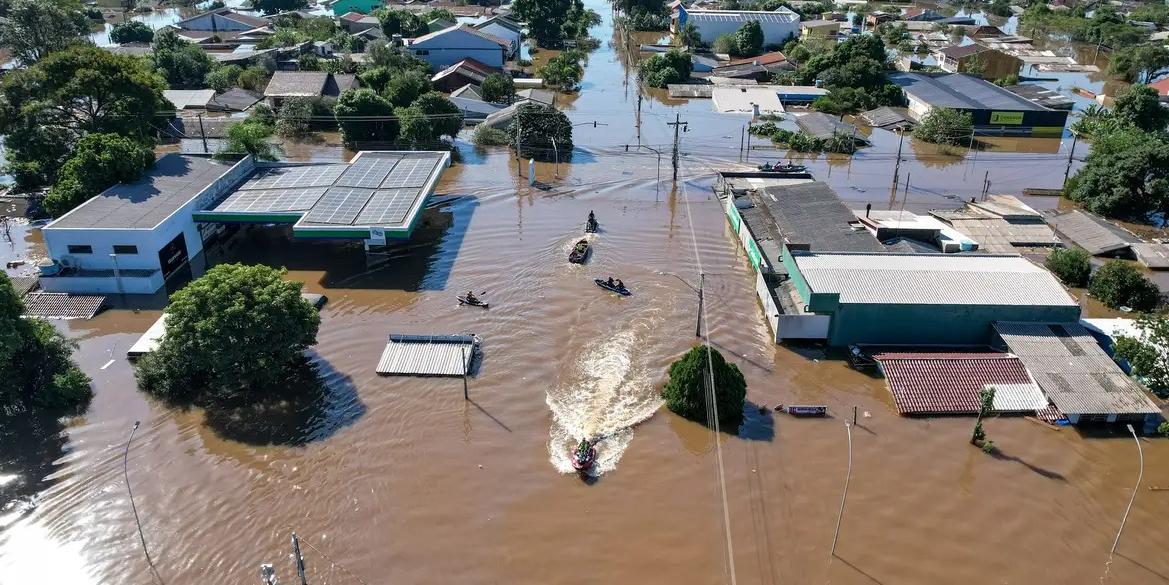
(946,383)
(1162,86)
(771,58)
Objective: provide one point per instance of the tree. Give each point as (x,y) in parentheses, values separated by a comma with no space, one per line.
(485,135)
(379,53)
(248,137)
(1146,353)
(498,88)
(375,78)
(748,40)
(1140,107)
(36,360)
(985,406)
(1126,175)
(1070,265)
(99,162)
(32,29)
(234,333)
(401,22)
(308,62)
(254,78)
(295,117)
(223,77)
(1139,64)
(47,108)
(1118,284)
(662,69)
(134,31)
(542,132)
(431,117)
(404,88)
(564,70)
(274,6)
(283,37)
(690,36)
(550,22)
(945,126)
(358,112)
(182,63)
(688,389)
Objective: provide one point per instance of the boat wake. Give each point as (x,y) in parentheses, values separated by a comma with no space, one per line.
(606,394)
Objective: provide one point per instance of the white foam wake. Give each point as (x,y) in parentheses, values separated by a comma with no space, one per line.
(606,394)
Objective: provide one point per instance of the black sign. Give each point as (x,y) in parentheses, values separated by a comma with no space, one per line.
(173,255)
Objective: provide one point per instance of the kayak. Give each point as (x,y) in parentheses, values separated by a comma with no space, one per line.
(623,291)
(591,226)
(477,303)
(786,168)
(803,409)
(583,464)
(580,252)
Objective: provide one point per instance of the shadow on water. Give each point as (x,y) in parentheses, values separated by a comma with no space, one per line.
(998,454)
(758,423)
(30,444)
(421,263)
(312,407)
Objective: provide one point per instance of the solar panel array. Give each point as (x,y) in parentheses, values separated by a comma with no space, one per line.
(272,200)
(376,189)
(339,206)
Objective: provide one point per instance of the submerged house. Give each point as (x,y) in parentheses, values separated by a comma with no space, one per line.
(453,44)
(223,25)
(978,60)
(307,84)
(504,28)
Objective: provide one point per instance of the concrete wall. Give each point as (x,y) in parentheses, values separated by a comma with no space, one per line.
(932,324)
(103,285)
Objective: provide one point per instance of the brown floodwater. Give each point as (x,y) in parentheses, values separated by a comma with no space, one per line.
(399,480)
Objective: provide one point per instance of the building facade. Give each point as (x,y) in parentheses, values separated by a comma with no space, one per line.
(778,27)
(449,46)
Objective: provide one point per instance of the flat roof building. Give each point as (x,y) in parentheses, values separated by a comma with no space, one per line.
(994,110)
(779,26)
(922,299)
(133,237)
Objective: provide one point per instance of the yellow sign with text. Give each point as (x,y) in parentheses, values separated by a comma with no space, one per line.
(1011,118)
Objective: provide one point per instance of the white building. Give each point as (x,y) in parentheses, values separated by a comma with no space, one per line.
(778,27)
(506,29)
(450,45)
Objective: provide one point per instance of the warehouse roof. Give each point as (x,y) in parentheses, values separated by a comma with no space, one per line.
(955,90)
(167,186)
(783,15)
(811,213)
(931,279)
(1071,368)
(950,383)
(822,125)
(1092,234)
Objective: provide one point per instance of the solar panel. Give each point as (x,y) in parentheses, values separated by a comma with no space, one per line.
(410,172)
(340,206)
(388,206)
(294,177)
(367,172)
(261,200)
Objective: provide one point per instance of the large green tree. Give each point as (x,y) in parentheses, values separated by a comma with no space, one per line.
(401,22)
(542,132)
(405,86)
(32,29)
(36,360)
(498,88)
(662,69)
(1072,265)
(689,387)
(234,333)
(1148,352)
(133,31)
(564,70)
(748,40)
(181,62)
(1126,175)
(365,116)
(99,162)
(249,137)
(945,126)
(47,108)
(1140,63)
(1140,107)
(551,22)
(1119,284)
(429,118)
(274,6)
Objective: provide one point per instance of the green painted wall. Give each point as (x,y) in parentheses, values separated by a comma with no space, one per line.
(796,277)
(932,324)
(362,6)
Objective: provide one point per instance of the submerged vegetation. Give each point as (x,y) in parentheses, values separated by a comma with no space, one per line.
(686,392)
(839,143)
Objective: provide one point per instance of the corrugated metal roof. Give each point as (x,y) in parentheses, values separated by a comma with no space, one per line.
(428,355)
(955,90)
(950,383)
(1019,398)
(1073,371)
(782,15)
(62,305)
(887,118)
(1089,233)
(822,125)
(1155,256)
(149,340)
(296,84)
(931,279)
(742,99)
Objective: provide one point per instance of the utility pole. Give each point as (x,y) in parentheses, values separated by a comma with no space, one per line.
(639,114)
(906,197)
(202,134)
(677,123)
(843,496)
(742,137)
(897,167)
(519,159)
(1071,153)
(698,325)
(299,560)
(465,367)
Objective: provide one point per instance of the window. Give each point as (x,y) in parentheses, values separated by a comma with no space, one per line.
(73,249)
(422,52)
(124,249)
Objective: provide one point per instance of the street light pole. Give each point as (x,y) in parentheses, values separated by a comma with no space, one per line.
(1140,476)
(847,477)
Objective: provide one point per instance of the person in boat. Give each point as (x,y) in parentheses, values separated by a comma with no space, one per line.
(610,281)
(471,300)
(620,285)
(592,218)
(582,450)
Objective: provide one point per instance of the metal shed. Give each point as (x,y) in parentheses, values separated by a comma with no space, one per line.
(428,355)
(1092,234)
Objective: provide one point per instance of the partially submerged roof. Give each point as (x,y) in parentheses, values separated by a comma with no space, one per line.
(886,118)
(1155,256)
(286,84)
(746,99)
(771,58)
(822,125)
(469,68)
(1071,368)
(931,279)
(1090,233)
(226,14)
(950,383)
(540,96)
(811,213)
(170,184)
(963,51)
(956,90)
(428,355)
(782,15)
(189,98)
(234,100)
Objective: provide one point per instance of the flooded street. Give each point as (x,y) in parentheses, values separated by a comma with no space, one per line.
(400,480)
